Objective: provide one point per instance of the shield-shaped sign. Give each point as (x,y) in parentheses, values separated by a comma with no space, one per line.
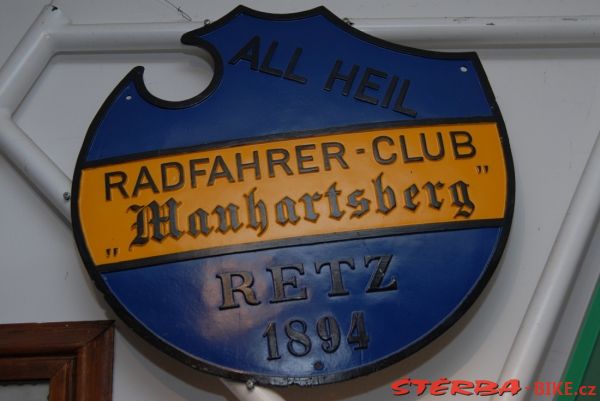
(329,205)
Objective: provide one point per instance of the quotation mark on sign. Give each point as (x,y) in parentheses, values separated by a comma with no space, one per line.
(112,252)
(482,169)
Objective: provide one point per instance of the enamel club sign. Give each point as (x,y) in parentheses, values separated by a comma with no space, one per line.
(329,205)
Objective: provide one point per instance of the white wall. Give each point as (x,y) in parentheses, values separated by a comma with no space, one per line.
(550,100)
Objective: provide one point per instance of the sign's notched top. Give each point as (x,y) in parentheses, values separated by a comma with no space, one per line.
(317,81)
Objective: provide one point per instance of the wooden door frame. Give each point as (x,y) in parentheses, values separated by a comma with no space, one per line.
(75,357)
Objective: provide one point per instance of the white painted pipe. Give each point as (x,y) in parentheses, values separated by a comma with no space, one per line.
(479,32)
(551,293)
(17,76)
(35,165)
(443,33)
(28,59)
(48,35)
(440,33)
(122,37)
(160,37)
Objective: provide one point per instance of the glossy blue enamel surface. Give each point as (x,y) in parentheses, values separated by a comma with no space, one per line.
(248,103)
(180,301)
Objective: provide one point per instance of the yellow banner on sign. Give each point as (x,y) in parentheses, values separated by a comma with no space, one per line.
(303,190)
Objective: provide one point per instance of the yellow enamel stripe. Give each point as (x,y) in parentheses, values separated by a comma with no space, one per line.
(329,184)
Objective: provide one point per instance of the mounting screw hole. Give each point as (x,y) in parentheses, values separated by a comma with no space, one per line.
(463,69)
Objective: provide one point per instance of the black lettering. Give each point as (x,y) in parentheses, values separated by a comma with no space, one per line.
(151,218)
(297,337)
(378,158)
(165,176)
(375,284)
(328,330)
(245,288)
(334,206)
(120,185)
(265,66)
(460,198)
(279,283)
(271,335)
(335,74)
(409,197)
(254,164)
(285,211)
(309,207)
(335,272)
(289,71)
(390,91)
(405,157)
(467,143)
(219,164)
(282,161)
(144,180)
(224,225)
(337,155)
(432,194)
(249,53)
(366,84)
(399,106)
(198,223)
(428,155)
(386,199)
(301,159)
(358,332)
(361,204)
(257,213)
(195,172)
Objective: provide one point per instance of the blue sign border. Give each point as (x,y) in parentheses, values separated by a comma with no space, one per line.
(191,38)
